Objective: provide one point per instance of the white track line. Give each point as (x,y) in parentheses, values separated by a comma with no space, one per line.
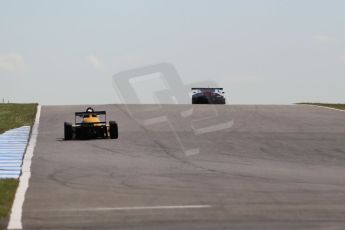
(325,107)
(16,212)
(138,208)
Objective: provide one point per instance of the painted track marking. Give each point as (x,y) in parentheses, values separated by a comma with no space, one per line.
(17,208)
(324,107)
(12,148)
(135,208)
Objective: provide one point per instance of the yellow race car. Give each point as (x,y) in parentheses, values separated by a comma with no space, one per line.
(90,126)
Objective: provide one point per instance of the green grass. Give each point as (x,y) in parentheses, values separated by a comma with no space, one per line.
(7,190)
(334,106)
(12,116)
(16,115)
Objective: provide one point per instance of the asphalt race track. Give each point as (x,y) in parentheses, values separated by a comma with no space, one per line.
(192,167)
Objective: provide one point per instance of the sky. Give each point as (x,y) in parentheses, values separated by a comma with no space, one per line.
(259,51)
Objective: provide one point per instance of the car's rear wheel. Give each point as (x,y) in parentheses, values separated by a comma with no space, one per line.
(113,130)
(68,131)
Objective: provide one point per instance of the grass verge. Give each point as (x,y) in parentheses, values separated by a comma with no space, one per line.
(329,105)
(8,189)
(16,115)
(12,116)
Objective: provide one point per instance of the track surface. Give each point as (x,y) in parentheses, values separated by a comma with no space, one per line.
(276,167)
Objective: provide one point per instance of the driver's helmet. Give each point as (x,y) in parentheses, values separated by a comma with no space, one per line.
(89,110)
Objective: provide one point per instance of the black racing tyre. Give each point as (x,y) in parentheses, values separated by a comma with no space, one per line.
(200,100)
(113,130)
(68,131)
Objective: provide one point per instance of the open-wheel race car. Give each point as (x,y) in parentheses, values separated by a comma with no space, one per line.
(208,96)
(90,125)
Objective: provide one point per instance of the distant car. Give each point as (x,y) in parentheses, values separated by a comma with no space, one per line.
(208,96)
(90,126)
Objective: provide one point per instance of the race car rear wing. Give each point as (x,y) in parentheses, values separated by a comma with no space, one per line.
(81,114)
(203,90)
(91,123)
(207,88)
